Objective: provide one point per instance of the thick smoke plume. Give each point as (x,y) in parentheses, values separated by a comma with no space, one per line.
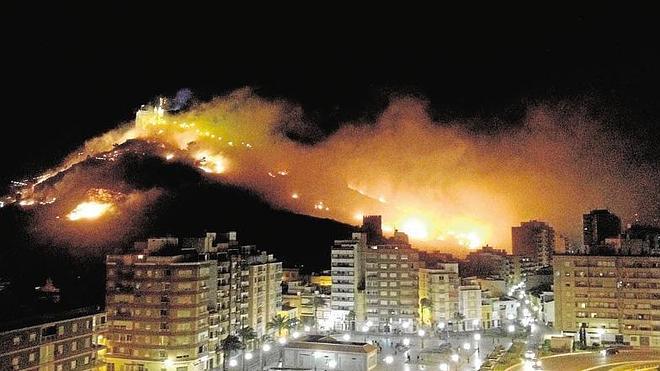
(437,181)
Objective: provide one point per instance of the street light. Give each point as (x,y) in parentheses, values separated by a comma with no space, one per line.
(454,357)
(406,341)
(248,356)
(307,329)
(282,340)
(441,325)
(421,334)
(295,334)
(477,336)
(444,367)
(264,348)
(466,346)
(511,328)
(346,337)
(389,360)
(233,363)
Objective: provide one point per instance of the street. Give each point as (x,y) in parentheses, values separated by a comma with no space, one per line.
(593,360)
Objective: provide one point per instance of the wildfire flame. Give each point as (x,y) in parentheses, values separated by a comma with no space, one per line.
(89,210)
(432,180)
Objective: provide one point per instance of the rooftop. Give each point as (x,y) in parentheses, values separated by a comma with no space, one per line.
(43,319)
(327,343)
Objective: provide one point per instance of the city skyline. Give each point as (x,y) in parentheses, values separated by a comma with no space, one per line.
(337,190)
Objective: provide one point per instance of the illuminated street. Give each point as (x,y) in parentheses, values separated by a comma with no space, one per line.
(593,360)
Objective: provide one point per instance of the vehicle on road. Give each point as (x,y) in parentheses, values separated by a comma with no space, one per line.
(609,351)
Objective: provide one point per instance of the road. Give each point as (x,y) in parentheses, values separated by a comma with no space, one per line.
(593,361)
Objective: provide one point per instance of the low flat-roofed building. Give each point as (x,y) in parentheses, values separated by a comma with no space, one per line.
(324,352)
(61,341)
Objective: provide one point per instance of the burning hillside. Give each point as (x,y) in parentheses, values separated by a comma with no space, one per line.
(434,180)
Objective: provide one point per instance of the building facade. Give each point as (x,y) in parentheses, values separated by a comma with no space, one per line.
(347,271)
(535,240)
(62,342)
(392,287)
(469,308)
(172,303)
(608,298)
(158,312)
(317,352)
(439,286)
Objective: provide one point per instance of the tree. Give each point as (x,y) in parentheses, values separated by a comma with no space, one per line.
(279,322)
(247,335)
(425,306)
(230,344)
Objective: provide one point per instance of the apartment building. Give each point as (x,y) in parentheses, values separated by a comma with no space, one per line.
(159,312)
(172,302)
(469,308)
(347,272)
(392,286)
(607,299)
(59,342)
(262,291)
(440,286)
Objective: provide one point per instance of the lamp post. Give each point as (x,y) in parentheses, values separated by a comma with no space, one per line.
(265,348)
(421,334)
(282,342)
(442,326)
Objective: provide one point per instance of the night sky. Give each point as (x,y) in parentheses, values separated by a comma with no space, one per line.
(69,76)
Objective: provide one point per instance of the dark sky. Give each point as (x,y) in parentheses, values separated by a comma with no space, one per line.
(70,74)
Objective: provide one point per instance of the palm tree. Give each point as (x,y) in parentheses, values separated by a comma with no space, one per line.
(279,322)
(230,344)
(425,306)
(247,335)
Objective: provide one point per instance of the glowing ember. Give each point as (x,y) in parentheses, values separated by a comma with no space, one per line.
(295,196)
(89,210)
(169,156)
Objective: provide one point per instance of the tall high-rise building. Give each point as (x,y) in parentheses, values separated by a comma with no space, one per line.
(607,299)
(597,226)
(159,311)
(535,240)
(392,286)
(439,285)
(172,301)
(347,271)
